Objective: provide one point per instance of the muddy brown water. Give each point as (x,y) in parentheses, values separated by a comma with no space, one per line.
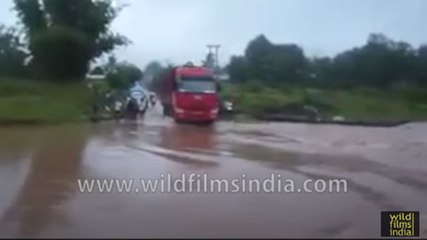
(385,169)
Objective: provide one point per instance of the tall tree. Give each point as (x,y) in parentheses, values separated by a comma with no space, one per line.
(256,54)
(64,36)
(12,55)
(237,69)
(380,62)
(287,63)
(420,72)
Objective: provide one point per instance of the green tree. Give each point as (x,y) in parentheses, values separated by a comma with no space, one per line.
(124,75)
(12,54)
(270,63)
(320,71)
(286,63)
(420,65)
(256,54)
(381,62)
(64,36)
(237,69)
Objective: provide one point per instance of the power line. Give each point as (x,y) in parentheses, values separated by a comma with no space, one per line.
(214,49)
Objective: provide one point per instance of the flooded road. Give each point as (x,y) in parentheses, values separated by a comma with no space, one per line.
(385,169)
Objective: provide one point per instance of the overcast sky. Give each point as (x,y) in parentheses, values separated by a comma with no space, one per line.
(178,30)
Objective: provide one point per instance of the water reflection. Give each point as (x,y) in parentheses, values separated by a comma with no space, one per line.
(113,133)
(130,130)
(55,166)
(182,137)
(14,144)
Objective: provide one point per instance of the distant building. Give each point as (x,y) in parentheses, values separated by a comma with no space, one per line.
(222,76)
(96,73)
(95,77)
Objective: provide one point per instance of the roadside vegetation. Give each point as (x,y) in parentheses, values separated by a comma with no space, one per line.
(357,104)
(44,64)
(383,80)
(28,101)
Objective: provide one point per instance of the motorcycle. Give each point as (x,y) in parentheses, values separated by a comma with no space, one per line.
(228,106)
(227,109)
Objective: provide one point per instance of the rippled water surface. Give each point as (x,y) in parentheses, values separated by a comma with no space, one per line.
(385,168)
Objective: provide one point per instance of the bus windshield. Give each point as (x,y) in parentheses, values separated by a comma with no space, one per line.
(197,85)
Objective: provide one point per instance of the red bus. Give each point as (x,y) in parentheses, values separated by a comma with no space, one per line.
(190,94)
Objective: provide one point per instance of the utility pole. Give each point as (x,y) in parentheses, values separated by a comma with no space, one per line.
(214,49)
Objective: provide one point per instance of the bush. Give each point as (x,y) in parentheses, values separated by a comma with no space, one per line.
(355,104)
(320,105)
(254,86)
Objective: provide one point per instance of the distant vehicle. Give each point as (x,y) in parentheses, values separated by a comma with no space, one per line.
(226,110)
(228,106)
(190,93)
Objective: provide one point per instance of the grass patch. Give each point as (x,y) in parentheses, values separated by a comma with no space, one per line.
(353,104)
(28,100)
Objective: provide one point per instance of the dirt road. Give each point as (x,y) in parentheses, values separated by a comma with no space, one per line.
(385,169)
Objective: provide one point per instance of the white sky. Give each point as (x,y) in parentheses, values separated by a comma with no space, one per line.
(178,30)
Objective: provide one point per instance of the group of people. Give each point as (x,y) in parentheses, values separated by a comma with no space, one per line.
(133,107)
(130,104)
(137,107)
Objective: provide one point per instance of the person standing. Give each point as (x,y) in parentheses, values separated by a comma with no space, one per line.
(132,108)
(143,106)
(118,107)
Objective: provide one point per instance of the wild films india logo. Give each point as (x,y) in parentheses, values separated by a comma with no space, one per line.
(400,224)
